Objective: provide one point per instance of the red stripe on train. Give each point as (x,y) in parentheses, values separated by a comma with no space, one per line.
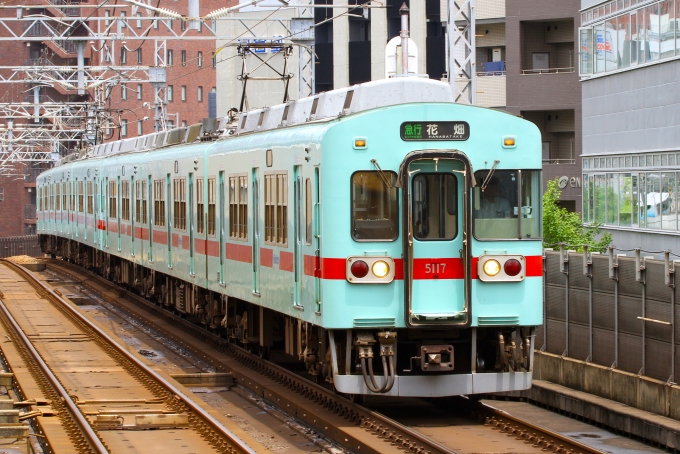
(239,252)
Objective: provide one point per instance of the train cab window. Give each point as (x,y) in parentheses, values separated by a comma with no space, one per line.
(504,198)
(435,206)
(375,210)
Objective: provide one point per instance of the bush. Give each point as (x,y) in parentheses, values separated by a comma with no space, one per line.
(562,226)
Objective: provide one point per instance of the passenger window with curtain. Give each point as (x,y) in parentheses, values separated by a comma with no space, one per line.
(435,210)
(375,211)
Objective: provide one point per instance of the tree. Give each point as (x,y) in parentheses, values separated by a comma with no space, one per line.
(562,226)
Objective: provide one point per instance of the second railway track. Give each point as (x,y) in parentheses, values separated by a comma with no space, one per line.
(353,426)
(104,396)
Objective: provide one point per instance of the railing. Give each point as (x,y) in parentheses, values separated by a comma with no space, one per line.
(611,310)
(20,245)
(548,71)
(490,73)
(30,211)
(558,161)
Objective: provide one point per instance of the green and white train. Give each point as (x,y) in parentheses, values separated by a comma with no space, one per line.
(381,233)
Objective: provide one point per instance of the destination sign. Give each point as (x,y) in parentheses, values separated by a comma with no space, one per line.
(435,130)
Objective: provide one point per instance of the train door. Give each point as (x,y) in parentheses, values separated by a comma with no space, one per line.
(192,271)
(297,234)
(436,275)
(222,221)
(105,211)
(96,232)
(256,231)
(152,214)
(316,238)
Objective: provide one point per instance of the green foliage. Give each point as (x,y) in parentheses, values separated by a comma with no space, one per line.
(562,226)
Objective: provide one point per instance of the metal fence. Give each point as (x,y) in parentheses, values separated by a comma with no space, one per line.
(20,245)
(613,310)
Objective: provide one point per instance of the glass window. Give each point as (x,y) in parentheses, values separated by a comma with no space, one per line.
(634,46)
(623,41)
(375,212)
(625,199)
(667,207)
(666,29)
(655,200)
(599,200)
(435,211)
(308,211)
(598,31)
(610,41)
(652,31)
(587,51)
(499,205)
(643,47)
(612,199)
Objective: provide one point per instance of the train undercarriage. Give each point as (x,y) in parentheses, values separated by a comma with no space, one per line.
(353,361)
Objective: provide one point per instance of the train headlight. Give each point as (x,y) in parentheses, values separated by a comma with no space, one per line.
(380,269)
(364,269)
(491,267)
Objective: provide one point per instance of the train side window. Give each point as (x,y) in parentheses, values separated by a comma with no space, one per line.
(180,203)
(144,210)
(375,209)
(243,207)
(434,206)
(276,208)
(308,211)
(63,196)
(200,215)
(125,200)
(158,203)
(57,197)
(212,199)
(90,202)
(112,199)
(138,203)
(81,197)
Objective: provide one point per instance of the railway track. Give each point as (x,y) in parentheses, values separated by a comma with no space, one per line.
(353,426)
(104,396)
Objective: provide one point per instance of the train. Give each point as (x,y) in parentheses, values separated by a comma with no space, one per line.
(381,234)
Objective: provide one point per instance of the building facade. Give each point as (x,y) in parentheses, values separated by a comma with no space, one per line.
(544,88)
(630,72)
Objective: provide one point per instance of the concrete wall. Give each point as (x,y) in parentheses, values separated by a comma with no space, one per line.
(633,111)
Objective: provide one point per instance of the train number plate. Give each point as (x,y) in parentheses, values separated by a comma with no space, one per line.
(434,130)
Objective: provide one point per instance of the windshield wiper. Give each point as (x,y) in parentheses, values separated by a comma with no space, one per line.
(381,173)
(490,174)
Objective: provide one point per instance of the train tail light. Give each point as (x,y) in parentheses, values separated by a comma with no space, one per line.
(501,268)
(369,270)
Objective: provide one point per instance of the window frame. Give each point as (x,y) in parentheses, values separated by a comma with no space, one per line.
(179,205)
(278,231)
(351,209)
(446,205)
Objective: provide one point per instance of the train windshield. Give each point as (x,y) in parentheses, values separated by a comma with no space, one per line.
(507,204)
(375,212)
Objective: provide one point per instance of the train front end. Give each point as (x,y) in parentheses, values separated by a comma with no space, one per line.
(434,286)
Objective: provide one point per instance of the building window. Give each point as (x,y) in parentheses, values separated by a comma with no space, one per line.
(214,62)
(123,55)
(107,14)
(213,89)
(139,127)
(123,92)
(184,93)
(125,200)
(200,59)
(123,128)
(238,207)
(112,199)
(168,60)
(139,21)
(170,90)
(200,94)
(183,25)
(139,56)
(155,24)
(123,21)
(2,194)
(184,123)
(159,203)
(139,91)
(179,203)
(183,55)
(276,208)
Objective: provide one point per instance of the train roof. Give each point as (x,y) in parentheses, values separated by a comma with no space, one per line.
(321,107)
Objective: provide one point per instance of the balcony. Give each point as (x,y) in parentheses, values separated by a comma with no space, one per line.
(491,89)
(548,71)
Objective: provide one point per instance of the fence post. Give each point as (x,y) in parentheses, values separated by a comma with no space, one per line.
(588,272)
(564,268)
(670,282)
(640,277)
(614,274)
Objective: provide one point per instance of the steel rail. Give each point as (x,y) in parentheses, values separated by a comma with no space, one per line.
(86,429)
(195,408)
(382,426)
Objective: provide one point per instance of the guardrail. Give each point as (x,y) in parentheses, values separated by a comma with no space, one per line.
(558,161)
(548,71)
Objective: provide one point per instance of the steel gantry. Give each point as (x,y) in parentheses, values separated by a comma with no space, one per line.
(461,50)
